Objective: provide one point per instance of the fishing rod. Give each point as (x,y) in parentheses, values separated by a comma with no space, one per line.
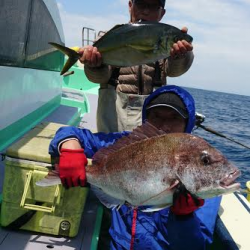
(201,118)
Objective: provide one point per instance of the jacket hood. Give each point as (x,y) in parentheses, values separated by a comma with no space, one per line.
(185,97)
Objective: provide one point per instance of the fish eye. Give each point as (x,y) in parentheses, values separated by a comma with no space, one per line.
(205,158)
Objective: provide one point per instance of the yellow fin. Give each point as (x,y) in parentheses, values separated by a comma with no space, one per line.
(75,48)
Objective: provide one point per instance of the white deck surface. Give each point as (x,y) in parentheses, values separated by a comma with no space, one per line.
(235,215)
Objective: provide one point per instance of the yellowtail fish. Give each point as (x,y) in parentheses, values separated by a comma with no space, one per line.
(132,44)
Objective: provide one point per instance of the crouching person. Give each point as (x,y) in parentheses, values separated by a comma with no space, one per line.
(187,224)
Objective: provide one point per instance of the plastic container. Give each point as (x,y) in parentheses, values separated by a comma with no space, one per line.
(50,210)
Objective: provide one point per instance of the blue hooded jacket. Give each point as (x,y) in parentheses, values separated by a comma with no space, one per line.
(154,230)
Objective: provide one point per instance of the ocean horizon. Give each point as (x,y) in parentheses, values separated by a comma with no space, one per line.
(217,91)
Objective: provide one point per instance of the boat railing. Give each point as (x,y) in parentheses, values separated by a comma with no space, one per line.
(88,36)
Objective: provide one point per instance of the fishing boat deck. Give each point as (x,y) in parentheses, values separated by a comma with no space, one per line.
(24,240)
(87,237)
(230,232)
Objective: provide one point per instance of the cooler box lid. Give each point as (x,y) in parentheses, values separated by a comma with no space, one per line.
(35,144)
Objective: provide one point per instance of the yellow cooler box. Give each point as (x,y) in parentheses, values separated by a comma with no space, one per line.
(51,210)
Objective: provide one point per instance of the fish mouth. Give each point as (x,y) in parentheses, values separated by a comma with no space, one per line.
(228,181)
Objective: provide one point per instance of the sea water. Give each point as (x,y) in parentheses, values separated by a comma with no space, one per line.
(228,114)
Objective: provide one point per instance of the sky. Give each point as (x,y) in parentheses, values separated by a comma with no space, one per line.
(220,29)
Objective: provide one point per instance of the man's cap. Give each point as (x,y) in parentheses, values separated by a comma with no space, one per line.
(161,2)
(170,100)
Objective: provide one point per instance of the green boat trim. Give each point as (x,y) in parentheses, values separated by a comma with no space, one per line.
(75,120)
(20,127)
(98,223)
(82,105)
(78,80)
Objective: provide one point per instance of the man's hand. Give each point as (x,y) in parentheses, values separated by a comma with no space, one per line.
(181,47)
(90,56)
(186,204)
(72,164)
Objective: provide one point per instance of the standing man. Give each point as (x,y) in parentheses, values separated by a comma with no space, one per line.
(123,90)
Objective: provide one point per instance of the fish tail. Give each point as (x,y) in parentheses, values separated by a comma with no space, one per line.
(71,53)
(70,62)
(50,180)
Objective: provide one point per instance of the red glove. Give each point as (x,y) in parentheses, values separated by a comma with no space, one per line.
(186,205)
(72,164)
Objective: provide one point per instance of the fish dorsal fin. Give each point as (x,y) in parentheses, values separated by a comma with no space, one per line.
(143,132)
(116,27)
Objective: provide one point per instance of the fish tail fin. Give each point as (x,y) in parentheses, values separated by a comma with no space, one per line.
(49,180)
(71,53)
(70,62)
(107,200)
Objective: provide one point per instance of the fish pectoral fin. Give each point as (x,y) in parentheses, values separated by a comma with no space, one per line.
(169,189)
(107,200)
(156,208)
(174,184)
(156,48)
